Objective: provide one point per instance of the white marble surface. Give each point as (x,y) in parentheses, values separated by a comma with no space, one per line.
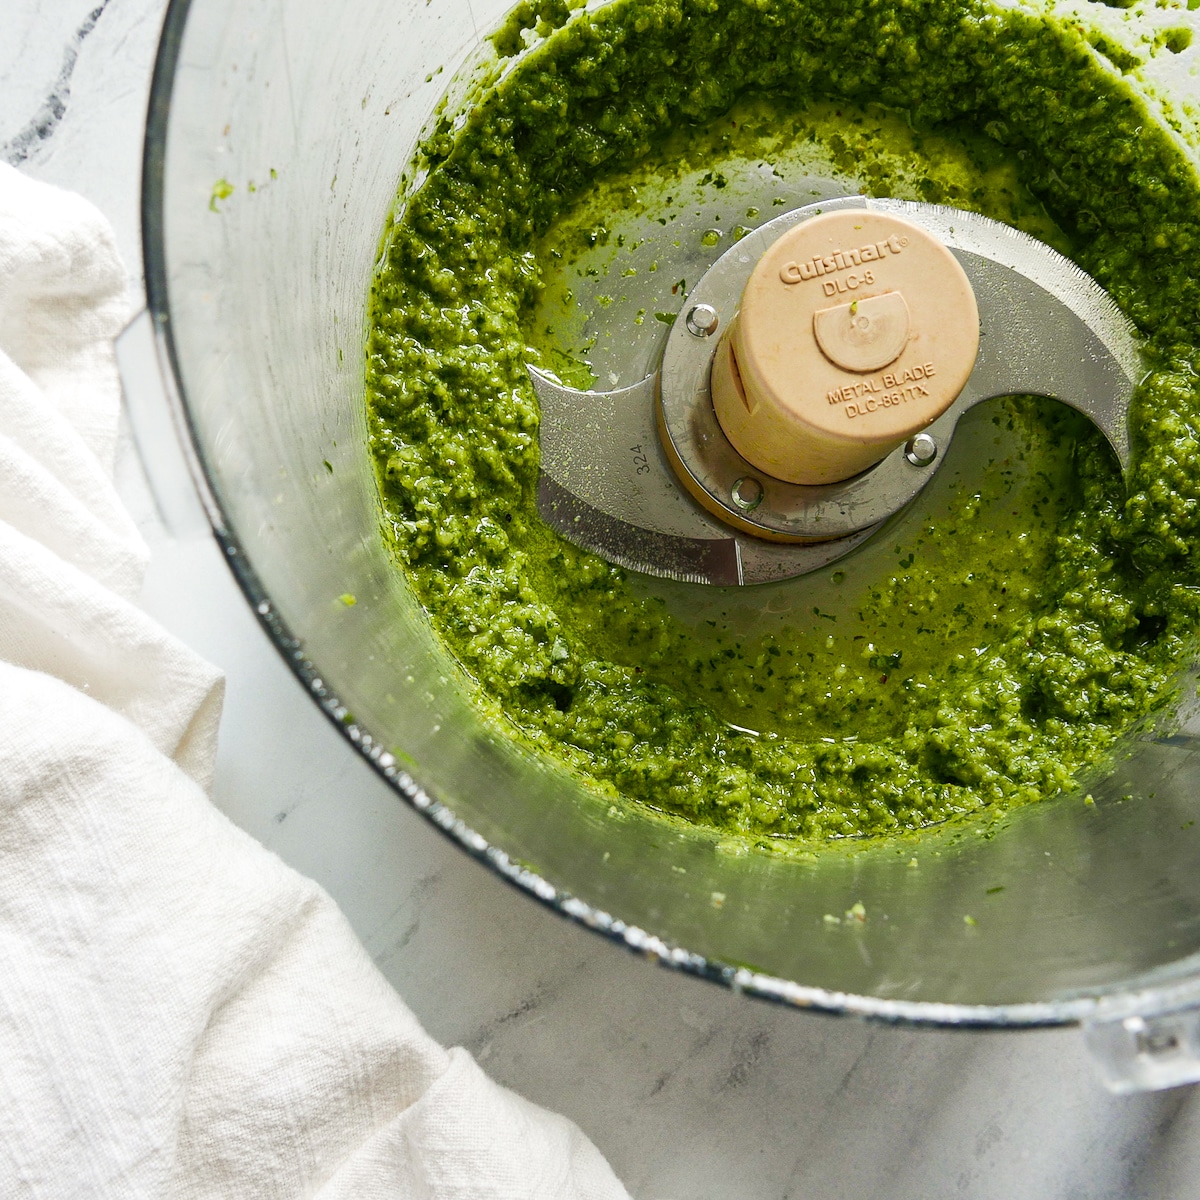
(693,1093)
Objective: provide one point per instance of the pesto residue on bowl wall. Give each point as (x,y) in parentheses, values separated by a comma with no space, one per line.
(987,646)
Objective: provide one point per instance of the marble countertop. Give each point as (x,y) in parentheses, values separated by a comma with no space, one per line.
(692,1092)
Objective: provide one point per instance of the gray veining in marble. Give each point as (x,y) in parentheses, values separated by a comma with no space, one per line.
(41,126)
(693,1093)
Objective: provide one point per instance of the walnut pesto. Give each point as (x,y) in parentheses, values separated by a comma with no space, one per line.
(989,644)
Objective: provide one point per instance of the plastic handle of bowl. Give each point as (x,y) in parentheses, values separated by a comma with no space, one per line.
(159,435)
(1147,1047)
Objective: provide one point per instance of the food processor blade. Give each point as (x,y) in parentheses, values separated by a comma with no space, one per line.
(612,462)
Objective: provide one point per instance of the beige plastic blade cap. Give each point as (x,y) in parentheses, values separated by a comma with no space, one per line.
(856,330)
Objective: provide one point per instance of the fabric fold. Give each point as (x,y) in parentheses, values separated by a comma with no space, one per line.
(63,302)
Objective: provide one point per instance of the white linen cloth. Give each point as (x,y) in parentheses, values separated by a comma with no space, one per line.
(181,1014)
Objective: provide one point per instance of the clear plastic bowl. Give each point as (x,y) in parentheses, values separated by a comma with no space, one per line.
(310,111)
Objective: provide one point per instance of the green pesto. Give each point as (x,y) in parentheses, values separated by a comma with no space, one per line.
(990,644)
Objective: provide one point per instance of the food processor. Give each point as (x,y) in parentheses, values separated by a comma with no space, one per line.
(276,135)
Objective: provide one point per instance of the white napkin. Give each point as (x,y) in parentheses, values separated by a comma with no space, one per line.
(181,1014)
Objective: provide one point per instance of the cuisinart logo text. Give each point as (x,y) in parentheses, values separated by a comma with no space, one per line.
(841,260)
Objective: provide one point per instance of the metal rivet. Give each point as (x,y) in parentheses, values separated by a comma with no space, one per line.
(747,493)
(702,320)
(921,450)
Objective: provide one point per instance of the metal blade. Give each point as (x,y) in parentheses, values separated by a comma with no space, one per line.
(1047,328)
(606,486)
(693,560)
(603,447)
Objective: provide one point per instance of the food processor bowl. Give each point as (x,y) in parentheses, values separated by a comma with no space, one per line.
(277,133)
